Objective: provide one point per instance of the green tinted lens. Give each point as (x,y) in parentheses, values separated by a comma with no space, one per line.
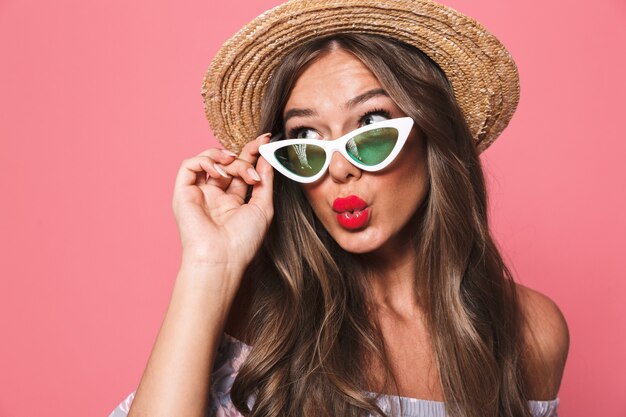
(301,159)
(374,146)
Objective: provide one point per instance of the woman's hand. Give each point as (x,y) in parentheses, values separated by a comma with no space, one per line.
(217,228)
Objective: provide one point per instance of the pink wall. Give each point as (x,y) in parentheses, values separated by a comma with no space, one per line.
(100,102)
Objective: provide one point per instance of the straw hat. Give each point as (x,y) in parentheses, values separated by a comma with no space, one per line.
(482,73)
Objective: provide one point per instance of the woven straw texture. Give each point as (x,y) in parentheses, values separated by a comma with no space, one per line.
(482,73)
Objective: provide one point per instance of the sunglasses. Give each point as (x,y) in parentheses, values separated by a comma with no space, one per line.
(371,148)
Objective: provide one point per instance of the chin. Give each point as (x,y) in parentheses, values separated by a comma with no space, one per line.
(357,242)
(357,250)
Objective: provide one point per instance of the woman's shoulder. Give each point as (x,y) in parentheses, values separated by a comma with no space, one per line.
(546,337)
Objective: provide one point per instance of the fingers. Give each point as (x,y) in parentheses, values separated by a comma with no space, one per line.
(249,153)
(216,165)
(223,168)
(262,192)
(241,170)
(197,169)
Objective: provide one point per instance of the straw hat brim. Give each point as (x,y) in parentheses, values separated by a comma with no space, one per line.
(481,71)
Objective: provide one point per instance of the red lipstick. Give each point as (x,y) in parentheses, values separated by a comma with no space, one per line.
(352,212)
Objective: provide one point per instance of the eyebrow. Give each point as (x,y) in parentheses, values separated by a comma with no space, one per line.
(349,104)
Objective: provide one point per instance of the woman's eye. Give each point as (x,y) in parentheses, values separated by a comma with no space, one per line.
(368,119)
(373,116)
(304,133)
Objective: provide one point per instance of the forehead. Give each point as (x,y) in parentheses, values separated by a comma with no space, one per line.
(334,77)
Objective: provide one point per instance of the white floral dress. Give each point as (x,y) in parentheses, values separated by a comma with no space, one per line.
(232,352)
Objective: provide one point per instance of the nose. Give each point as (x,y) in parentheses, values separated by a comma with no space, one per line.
(341,170)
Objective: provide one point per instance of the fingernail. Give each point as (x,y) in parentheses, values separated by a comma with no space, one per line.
(221,171)
(268,134)
(254,174)
(229,153)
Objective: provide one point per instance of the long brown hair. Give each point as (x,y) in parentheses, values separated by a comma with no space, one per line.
(311,324)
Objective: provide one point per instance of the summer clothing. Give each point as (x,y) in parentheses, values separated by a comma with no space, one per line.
(232,352)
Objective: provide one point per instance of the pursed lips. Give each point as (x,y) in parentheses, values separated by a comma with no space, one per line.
(349,203)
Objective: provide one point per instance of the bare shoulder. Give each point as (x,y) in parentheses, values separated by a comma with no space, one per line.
(546,337)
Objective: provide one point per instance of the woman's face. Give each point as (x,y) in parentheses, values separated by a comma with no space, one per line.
(392,195)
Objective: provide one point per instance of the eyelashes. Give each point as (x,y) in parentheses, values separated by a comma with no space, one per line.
(377,111)
(296,130)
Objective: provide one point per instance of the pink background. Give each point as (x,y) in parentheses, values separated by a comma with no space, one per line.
(100,102)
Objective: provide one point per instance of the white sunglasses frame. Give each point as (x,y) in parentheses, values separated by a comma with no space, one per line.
(402,124)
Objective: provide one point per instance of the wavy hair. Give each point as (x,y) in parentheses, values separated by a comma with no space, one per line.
(312,326)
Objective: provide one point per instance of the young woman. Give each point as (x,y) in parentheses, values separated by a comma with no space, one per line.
(346,267)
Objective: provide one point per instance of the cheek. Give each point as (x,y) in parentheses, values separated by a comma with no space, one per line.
(401,196)
(315,196)
(405,187)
